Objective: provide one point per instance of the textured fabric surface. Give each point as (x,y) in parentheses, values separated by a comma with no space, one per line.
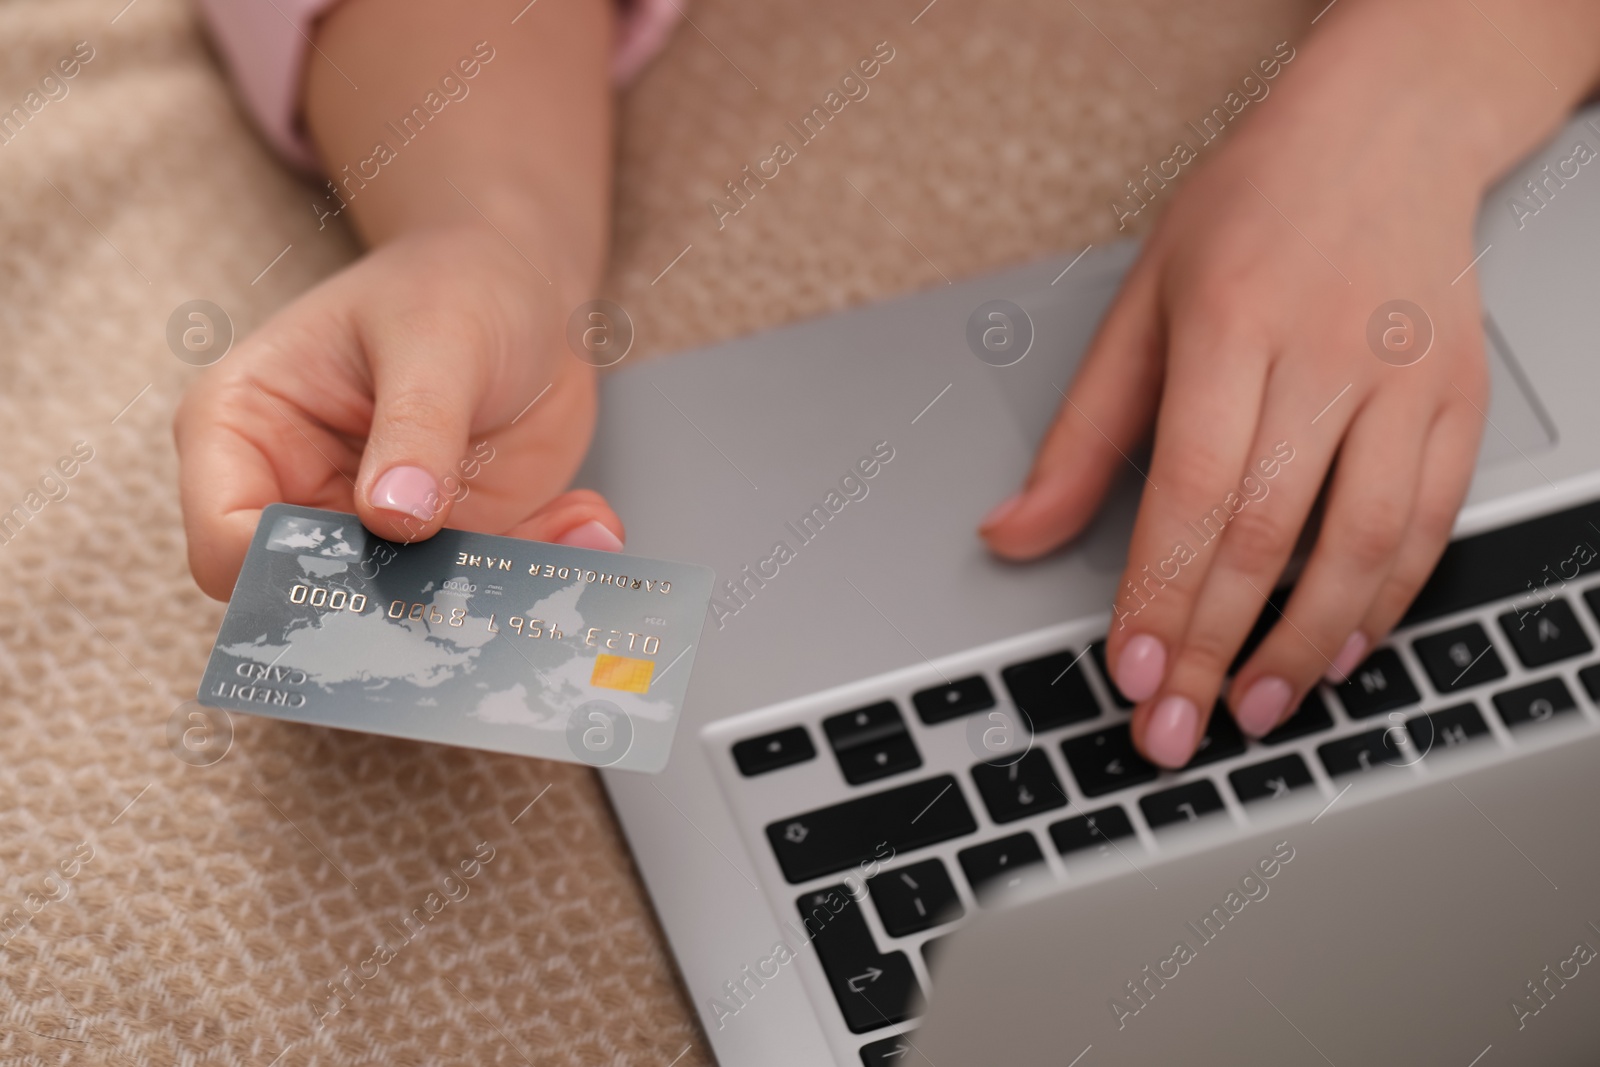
(217,903)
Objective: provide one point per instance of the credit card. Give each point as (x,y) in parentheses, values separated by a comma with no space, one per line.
(463,639)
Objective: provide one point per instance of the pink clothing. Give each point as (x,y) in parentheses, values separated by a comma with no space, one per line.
(265,43)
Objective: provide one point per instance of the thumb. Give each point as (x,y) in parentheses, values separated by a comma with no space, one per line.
(1109,409)
(409,476)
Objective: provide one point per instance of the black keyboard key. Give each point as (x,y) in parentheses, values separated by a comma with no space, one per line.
(931,948)
(1003,864)
(1494,565)
(1051,691)
(864,726)
(874,989)
(1095,830)
(1018,788)
(1309,718)
(758,755)
(1184,803)
(831,839)
(1360,753)
(1380,684)
(1590,677)
(1221,739)
(869,763)
(1440,730)
(1592,597)
(1459,658)
(871,743)
(954,700)
(914,898)
(889,1052)
(1538,702)
(1106,761)
(1098,651)
(1545,635)
(1272,780)
(1270,615)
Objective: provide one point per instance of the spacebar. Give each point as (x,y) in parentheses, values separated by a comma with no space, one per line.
(872,827)
(1508,562)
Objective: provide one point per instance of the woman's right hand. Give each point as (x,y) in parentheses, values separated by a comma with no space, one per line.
(429,381)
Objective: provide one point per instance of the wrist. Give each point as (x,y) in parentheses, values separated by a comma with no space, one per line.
(515,137)
(1424,91)
(558,252)
(560,249)
(519,256)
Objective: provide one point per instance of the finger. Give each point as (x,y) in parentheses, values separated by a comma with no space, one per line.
(1103,417)
(1243,538)
(1369,507)
(1268,514)
(227,432)
(1448,461)
(423,410)
(580,518)
(218,525)
(1197,462)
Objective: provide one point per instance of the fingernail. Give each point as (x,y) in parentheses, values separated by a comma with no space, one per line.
(592,534)
(1263,705)
(1140,667)
(1170,737)
(1348,659)
(1000,511)
(407,490)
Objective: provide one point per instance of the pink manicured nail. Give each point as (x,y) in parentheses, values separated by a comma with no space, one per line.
(592,534)
(998,513)
(1263,706)
(1170,738)
(1140,667)
(408,490)
(1348,659)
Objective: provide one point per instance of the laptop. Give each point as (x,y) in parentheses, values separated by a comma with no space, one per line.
(903,822)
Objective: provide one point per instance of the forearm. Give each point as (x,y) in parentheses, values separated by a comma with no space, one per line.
(523,145)
(1390,78)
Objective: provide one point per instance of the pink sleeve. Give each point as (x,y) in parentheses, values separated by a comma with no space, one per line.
(265,44)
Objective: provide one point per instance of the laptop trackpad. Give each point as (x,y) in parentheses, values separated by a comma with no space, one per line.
(1518,424)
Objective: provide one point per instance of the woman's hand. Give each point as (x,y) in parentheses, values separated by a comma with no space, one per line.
(429,381)
(1242,335)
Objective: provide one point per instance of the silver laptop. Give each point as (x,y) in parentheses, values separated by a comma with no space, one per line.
(903,822)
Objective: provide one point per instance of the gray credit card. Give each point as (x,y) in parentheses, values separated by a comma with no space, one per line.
(463,639)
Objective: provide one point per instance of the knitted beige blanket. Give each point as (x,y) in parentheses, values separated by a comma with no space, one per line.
(157,911)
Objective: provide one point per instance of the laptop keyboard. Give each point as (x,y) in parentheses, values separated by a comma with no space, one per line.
(912,835)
